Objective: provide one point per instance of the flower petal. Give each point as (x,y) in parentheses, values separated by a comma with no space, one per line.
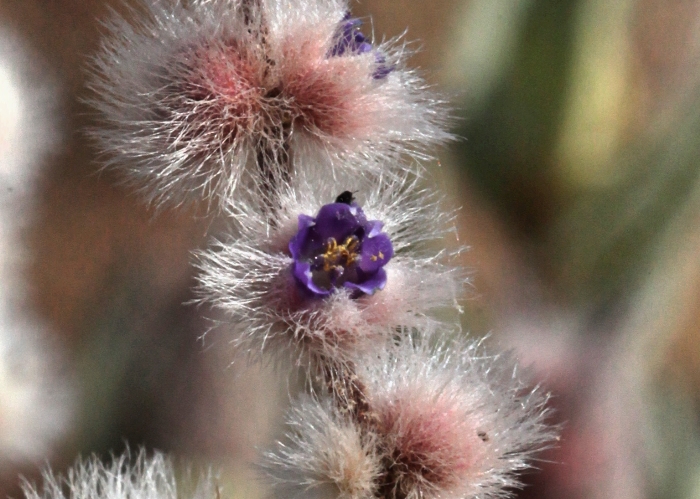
(375,253)
(368,286)
(304,276)
(299,241)
(373,228)
(337,220)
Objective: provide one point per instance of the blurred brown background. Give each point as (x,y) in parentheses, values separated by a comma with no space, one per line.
(577,178)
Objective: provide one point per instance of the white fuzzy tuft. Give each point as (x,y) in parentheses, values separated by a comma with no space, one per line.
(438,422)
(250,277)
(324,457)
(192,95)
(453,422)
(127,477)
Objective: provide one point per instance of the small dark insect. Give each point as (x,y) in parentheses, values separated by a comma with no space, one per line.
(345,197)
(483,436)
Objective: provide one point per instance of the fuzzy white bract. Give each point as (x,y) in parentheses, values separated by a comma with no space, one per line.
(126,477)
(454,422)
(198,96)
(250,277)
(324,456)
(447,422)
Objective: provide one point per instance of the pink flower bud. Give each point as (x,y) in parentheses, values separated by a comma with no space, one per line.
(202,96)
(452,422)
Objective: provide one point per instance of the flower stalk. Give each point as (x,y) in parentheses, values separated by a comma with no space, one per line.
(308,138)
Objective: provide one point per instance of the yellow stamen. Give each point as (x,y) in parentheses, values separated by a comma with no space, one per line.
(340,255)
(374,258)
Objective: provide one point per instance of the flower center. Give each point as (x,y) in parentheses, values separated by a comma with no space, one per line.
(340,248)
(340,256)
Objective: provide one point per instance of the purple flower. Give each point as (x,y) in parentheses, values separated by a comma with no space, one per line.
(340,248)
(350,39)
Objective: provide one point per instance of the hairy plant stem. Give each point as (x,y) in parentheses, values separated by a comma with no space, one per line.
(349,395)
(274,167)
(250,8)
(272,147)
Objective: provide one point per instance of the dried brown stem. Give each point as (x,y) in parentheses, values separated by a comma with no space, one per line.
(248,7)
(272,148)
(273,165)
(349,395)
